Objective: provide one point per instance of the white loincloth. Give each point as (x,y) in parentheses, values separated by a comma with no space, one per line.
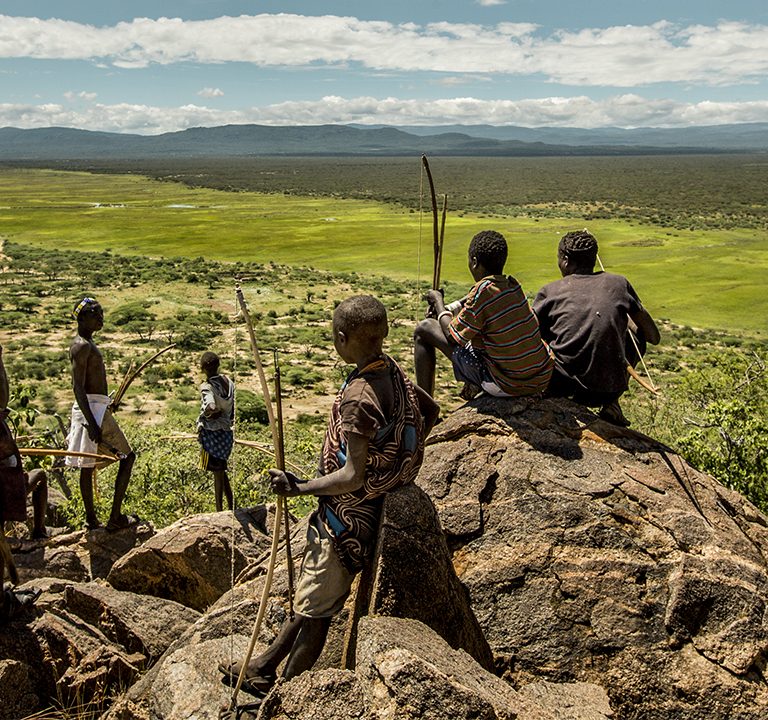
(78,440)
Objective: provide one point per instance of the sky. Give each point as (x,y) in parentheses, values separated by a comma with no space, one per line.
(164,66)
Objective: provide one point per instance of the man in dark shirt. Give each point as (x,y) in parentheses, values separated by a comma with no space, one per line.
(586,319)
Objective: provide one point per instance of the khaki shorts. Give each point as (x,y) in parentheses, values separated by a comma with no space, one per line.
(324,582)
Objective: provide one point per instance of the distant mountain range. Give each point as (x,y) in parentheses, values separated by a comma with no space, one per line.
(57,143)
(745,136)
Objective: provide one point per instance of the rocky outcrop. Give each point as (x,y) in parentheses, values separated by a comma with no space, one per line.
(78,556)
(194,560)
(413,576)
(599,576)
(593,553)
(83,640)
(405,670)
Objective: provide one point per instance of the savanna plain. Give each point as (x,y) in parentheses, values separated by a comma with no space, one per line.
(163,244)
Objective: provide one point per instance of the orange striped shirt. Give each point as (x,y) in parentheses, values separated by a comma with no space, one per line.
(497,320)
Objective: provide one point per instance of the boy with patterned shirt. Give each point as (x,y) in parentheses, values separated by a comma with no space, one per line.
(374,443)
(493,342)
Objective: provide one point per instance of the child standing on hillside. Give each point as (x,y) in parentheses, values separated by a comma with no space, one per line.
(374,443)
(493,341)
(214,426)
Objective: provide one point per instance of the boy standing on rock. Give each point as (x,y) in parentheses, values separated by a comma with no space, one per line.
(374,443)
(93,428)
(586,318)
(214,426)
(493,342)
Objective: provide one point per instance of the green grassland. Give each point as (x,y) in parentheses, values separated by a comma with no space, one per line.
(709,278)
(163,256)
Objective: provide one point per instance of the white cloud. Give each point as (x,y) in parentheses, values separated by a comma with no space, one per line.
(82,95)
(626,110)
(489,3)
(452,80)
(626,56)
(211,92)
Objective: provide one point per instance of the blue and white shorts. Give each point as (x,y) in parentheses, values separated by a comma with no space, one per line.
(470,366)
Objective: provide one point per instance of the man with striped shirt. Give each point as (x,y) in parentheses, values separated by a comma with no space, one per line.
(493,341)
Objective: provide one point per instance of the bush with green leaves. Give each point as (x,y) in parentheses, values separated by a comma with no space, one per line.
(713,411)
(250,407)
(727,434)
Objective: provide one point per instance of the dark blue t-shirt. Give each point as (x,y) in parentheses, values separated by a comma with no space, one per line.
(583,319)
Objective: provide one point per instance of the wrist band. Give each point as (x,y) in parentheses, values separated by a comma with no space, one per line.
(442,314)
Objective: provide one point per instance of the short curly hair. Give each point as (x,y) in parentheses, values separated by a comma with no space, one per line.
(209,361)
(362,315)
(490,249)
(579,246)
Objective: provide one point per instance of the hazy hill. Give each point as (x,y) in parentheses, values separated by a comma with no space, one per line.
(243,140)
(745,136)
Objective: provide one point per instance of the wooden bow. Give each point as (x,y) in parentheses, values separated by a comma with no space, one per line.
(131,375)
(649,384)
(280,506)
(438,227)
(58,452)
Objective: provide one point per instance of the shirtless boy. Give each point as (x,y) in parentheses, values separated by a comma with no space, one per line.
(93,428)
(17,485)
(35,482)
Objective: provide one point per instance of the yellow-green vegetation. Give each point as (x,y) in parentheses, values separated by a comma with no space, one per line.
(150,303)
(704,278)
(162,258)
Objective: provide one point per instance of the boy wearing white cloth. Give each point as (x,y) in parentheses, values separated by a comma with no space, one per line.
(93,428)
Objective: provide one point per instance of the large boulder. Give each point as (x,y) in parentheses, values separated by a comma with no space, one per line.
(406,670)
(413,576)
(185,682)
(19,693)
(593,553)
(85,641)
(193,561)
(410,543)
(78,556)
(141,624)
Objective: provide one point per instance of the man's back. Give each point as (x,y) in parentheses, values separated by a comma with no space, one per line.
(88,365)
(497,320)
(583,318)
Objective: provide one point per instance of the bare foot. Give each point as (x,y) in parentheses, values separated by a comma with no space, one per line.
(469,391)
(612,413)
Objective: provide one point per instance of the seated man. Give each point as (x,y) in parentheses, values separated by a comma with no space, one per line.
(586,318)
(493,342)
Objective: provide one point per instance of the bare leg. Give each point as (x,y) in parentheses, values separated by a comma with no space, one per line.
(86,491)
(265,665)
(222,488)
(121,485)
(308,646)
(38,486)
(428,337)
